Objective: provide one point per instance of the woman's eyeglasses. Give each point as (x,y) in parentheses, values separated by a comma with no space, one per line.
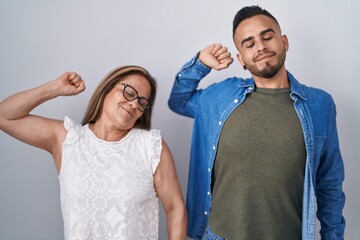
(131,94)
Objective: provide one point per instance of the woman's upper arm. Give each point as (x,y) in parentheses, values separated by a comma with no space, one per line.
(44,133)
(166,180)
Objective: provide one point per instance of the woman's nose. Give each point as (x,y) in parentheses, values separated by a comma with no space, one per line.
(133,103)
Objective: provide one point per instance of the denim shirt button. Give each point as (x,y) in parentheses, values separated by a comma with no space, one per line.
(236,101)
(208,193)
(209,169)
(219,123)
(214,147)
(179,75)
(206,213)
(250,88)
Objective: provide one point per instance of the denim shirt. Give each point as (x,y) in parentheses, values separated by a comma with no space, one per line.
(210,107)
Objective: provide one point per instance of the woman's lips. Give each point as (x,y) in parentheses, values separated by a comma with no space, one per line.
(128,111)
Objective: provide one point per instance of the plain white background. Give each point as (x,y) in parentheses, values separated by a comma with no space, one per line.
(39,40)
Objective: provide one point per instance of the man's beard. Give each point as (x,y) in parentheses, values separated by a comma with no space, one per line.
(269,70)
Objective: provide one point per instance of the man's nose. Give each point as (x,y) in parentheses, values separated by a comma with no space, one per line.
(261,46)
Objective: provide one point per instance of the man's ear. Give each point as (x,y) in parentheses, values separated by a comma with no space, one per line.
(285,42)
(239,57)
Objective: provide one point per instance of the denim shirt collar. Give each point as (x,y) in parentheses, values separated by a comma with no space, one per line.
(295,87)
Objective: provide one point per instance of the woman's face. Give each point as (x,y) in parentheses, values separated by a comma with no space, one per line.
(120,111)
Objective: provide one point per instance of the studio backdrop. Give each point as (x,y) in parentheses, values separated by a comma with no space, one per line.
(41,39)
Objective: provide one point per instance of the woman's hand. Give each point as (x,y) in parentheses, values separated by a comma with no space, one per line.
(69,83)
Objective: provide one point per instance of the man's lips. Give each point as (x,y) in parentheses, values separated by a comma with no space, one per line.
(263,56)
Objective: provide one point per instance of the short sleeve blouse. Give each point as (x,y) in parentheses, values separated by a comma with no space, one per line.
(107,188)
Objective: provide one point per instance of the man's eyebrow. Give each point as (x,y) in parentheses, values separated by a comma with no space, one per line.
(246,40)
(266,31)
(261,33)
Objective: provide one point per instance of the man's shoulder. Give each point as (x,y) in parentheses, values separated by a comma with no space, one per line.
(316,93)
(308,92)
(318,101)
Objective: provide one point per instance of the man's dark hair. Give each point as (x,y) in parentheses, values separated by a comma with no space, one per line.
(248,12)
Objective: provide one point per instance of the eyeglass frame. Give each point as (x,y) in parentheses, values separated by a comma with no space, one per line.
(147,107)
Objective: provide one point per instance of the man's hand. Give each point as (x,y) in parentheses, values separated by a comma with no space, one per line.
(216,56)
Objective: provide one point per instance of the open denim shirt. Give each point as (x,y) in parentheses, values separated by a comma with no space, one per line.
(210,107)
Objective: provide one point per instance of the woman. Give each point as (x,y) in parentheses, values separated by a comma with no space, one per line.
(112,168)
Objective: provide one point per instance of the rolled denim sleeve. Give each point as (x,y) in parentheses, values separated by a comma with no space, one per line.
(184,96)
(330,196)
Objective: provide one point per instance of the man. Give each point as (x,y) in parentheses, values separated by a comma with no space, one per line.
(265,150)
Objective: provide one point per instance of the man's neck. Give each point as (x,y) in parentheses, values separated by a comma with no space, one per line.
(280,80)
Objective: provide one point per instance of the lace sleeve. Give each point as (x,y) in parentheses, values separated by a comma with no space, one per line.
(156,148)
(68,123)
(72,128)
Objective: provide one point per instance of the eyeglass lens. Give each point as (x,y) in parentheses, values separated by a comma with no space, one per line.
(131,94)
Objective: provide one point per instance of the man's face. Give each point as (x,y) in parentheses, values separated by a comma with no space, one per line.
(262,48)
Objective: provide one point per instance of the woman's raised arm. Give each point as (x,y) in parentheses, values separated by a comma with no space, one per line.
(37,131)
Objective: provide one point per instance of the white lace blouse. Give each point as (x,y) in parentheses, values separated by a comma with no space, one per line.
(107,189)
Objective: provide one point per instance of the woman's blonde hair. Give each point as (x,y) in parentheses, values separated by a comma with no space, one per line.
(96,102)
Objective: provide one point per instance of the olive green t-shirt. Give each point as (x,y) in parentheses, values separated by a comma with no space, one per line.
(259,170)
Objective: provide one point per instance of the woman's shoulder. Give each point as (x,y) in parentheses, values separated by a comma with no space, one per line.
(153,141)
(74,129)
(147,133)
